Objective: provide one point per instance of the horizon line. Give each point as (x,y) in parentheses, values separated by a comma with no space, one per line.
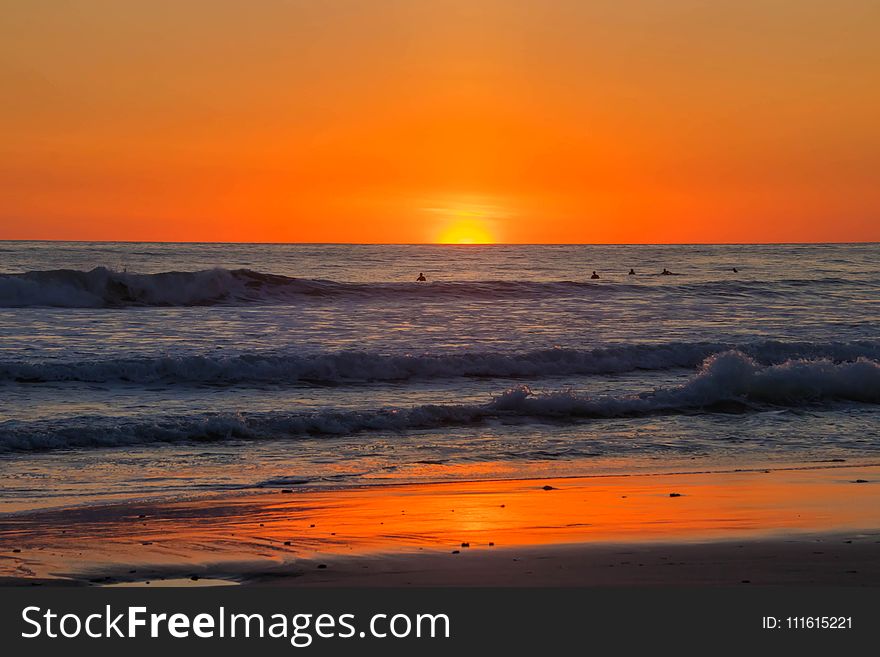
(443,244)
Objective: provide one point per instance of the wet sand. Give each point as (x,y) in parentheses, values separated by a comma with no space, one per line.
(818,524)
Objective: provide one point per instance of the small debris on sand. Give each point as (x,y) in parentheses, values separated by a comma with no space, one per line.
(548,488)
(456,552)
(147,543)
(286,490)
(195,578)
(860,481)
(322,565)
(16,550)
(287,542)
(747,581)
(674,494)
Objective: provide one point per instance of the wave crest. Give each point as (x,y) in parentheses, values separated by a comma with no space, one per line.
(106,288)
(358,366)
(729,378)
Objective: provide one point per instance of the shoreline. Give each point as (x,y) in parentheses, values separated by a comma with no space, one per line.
(117,500)
(646,528)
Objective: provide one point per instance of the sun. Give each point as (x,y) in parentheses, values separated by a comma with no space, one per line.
(466,220)
(466,231)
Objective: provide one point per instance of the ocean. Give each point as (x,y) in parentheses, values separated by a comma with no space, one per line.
(131,371)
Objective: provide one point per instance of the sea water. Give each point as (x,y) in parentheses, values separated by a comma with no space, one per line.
(136,370)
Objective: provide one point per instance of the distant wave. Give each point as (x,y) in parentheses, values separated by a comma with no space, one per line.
(361,367)
(105,288)
(727,381)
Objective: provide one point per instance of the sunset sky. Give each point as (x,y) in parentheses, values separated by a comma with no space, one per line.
(442,120)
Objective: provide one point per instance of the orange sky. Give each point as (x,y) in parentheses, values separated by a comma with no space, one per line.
(450,120)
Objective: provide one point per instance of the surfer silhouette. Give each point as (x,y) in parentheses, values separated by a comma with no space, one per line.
(632,272)
(665,272)
(735,270)
(595,275)
(421,277)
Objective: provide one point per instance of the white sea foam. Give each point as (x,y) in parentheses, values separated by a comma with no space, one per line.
(727,380)
(358,366)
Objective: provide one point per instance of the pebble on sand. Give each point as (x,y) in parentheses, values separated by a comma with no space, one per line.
(674,494)
(456,552)
(322,565)
(548,488)
(860,481)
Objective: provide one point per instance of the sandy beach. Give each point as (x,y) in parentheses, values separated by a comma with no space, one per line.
(817,524)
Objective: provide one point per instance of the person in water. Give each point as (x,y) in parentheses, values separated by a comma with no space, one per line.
(595,275)
(665,272)
(735,270)
(632,272)
(421,277)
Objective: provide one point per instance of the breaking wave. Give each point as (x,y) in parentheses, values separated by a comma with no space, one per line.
(106,288)
(727,381)
(357,366)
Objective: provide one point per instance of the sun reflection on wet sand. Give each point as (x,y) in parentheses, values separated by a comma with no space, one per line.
(280,527)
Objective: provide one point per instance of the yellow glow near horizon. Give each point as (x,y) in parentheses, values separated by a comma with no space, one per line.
(468,220)
(466,231)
